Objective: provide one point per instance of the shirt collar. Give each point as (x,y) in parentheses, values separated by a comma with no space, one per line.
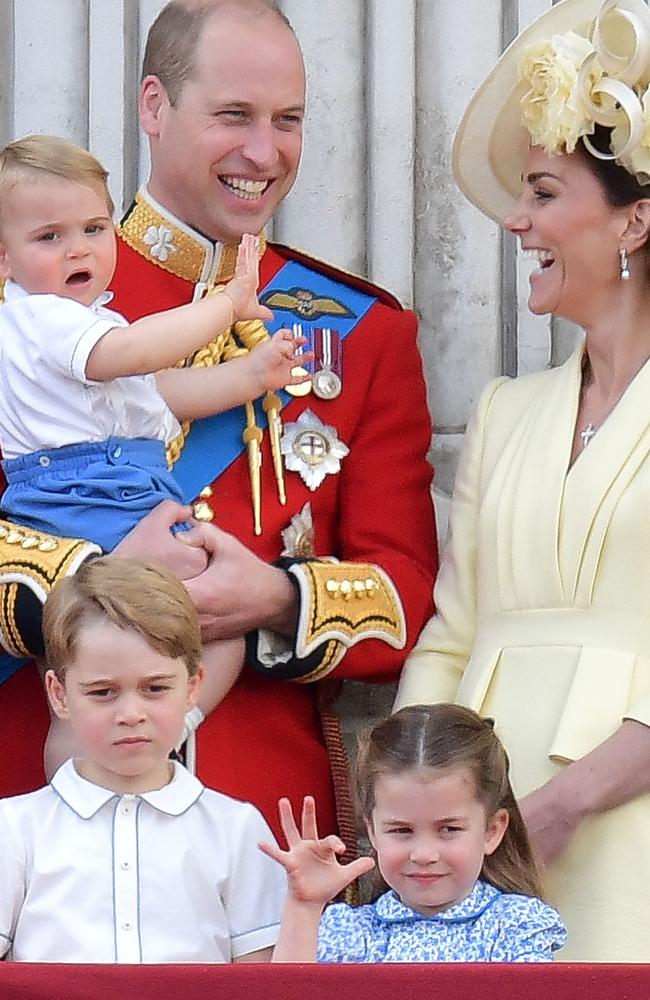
(390,908)
(13,291)
(169,243)
(86,798)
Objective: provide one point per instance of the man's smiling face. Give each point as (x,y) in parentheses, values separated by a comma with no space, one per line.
(228,152)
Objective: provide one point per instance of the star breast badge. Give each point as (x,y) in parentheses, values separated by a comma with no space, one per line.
(312,449)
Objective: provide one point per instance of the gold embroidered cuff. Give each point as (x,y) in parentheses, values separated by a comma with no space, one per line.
(34,560)
(334,653)
(342,604)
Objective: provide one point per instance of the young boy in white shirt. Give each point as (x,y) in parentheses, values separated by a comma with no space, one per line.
(125,856)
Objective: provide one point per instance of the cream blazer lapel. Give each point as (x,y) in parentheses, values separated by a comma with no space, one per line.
(528,448)
(598,478)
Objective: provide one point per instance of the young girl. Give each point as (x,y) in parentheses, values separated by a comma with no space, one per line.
(451,848)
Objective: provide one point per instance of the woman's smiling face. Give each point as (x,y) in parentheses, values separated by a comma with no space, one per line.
(564,219)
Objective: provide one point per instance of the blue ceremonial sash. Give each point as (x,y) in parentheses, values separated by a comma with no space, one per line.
(9,665)
(214,443)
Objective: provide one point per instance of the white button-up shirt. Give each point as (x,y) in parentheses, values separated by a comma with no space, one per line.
(174,875)
(46,401)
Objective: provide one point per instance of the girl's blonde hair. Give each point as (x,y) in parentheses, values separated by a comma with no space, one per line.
(49,154)
(444,736)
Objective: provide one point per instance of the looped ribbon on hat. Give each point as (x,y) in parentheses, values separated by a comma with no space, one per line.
(621,110)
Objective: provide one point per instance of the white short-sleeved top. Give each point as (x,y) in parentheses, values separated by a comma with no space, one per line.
(46,401)
(173,875)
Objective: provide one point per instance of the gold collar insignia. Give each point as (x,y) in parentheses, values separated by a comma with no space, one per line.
(170,244)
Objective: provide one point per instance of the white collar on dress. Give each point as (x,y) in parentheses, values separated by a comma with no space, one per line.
(390,908)
(86,798)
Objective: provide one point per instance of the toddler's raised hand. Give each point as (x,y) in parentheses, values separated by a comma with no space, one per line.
(273,361)
(242,289)
(313,869)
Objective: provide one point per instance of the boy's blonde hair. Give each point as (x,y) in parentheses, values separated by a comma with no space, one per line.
(132,594)
(49,154)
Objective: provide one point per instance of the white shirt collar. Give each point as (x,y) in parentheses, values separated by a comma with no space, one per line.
(86,798)
(13,291)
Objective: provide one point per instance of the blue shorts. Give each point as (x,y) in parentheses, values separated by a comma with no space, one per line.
(97,491)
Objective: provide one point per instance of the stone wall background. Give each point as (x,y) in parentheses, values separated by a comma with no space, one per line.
(388,80)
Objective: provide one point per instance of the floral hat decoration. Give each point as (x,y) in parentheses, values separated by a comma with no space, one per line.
(581,64)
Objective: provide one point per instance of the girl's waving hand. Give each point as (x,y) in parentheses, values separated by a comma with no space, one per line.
(311,862)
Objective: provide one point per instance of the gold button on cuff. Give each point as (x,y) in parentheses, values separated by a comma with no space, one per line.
(49,545)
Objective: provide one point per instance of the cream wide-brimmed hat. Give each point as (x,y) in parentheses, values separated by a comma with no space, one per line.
(492,142)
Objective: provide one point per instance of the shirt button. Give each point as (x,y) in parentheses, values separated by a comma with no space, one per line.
(117,452)
(126,810)
(44,461)
(125,865)
(126,926)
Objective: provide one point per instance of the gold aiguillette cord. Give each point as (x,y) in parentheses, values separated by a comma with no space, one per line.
(251,333)
(271,406)
(252,438)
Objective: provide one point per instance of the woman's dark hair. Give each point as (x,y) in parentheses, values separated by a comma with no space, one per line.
(620,187)
(437,738)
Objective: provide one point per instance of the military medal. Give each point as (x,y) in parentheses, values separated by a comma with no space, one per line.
(326,382)
(303,388)
(298,536)
(312,449)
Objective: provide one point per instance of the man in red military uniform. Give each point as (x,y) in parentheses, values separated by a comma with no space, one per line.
(339,474)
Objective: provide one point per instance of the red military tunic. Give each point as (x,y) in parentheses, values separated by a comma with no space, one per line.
(266,740)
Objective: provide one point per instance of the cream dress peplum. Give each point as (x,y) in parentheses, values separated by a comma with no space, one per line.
(543,623)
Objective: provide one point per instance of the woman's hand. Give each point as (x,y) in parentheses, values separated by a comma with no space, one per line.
(615,772)
(314,871)
(552,816)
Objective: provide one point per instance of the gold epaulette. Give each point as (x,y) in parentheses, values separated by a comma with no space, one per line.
(36,561)
(342,604)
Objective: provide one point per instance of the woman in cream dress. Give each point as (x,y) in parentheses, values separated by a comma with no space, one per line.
(543,598)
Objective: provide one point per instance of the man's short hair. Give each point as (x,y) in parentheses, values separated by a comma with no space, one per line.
(24,159)
(174,37)
(130,593)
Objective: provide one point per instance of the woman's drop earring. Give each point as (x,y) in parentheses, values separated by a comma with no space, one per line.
(625,266)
